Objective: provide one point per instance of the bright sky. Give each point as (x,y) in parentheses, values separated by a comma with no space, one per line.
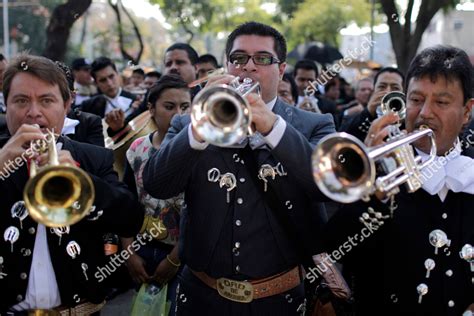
(143,8)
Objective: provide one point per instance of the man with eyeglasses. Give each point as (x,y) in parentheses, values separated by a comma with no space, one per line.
(240,259)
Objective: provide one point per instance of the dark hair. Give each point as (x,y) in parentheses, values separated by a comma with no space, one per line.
(294,89)
(2,58)
(331,83)
(68,73)
(138,71)
(101,63)
(153,73)
(255,28)
(192,54)
(306,64)
(40,67)
(166,82)
(450,62)
(208,58)
(390,70)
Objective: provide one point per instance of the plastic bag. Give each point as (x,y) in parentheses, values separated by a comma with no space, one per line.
(151,301)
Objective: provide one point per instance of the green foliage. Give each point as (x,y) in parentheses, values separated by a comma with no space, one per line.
(213,15)
(321,20)
(28,25)
(289,7)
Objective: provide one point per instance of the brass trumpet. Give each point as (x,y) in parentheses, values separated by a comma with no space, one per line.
(140,126)
(345,170)
(393,102)
(57,195)
(221,114)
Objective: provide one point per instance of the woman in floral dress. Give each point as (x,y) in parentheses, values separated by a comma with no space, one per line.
(157,260)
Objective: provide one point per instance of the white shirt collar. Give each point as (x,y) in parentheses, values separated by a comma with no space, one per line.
(116,97)
(271,104)
(450,172)
(69,126)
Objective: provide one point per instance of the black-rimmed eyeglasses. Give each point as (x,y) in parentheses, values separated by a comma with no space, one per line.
(258,59)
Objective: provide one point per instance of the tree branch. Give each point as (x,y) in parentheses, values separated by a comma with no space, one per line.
(116,9)
(408,13)
(137,33)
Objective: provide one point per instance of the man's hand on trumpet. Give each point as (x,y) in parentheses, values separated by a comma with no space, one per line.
(380,128)
(375,101)
(263,118)
(19,143)
(64,157)
(115,119)
(378,131)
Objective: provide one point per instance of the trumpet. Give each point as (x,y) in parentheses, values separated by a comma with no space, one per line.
(309,103)
(345,170)
(57,195)
(140,126)
(221,114)
(393,102)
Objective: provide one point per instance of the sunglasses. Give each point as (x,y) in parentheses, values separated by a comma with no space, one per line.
(258,59)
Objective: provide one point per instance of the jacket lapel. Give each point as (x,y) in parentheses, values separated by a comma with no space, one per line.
(282,109)
(286,113)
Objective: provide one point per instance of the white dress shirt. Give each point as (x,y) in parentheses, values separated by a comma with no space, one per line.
(272,139)
(42,291)
(69,126)
(119,102)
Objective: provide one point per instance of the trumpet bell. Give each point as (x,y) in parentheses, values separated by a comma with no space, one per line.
(59,195)
(346,171)
(394,102)
(342,168)
(221,115)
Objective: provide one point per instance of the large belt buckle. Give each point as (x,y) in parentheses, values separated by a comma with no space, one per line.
(237,291)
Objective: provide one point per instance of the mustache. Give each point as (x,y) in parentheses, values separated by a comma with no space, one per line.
(426,123)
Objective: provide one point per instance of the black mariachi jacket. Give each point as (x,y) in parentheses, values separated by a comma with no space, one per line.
(385,263)
(242,238)
(89,130)
(121,214)
(98,103)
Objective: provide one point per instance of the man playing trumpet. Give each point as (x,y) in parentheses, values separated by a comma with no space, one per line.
(53,268)
(419,260)
(230,232)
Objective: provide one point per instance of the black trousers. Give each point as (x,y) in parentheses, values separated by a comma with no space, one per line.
(196,298)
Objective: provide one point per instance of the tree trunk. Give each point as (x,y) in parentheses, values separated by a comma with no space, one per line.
(59,27)
(405,42)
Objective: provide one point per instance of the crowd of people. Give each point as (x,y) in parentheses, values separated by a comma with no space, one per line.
(231,239)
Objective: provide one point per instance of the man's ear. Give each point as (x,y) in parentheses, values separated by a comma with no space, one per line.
(468,111)
(68,104)
(281,69)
